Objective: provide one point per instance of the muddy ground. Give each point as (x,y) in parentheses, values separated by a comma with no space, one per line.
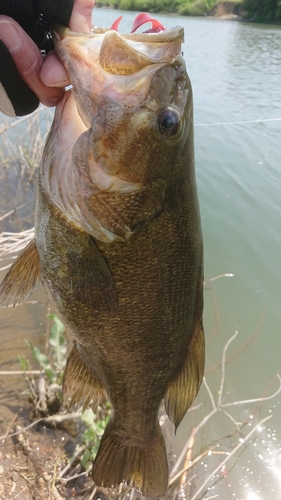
(30,463)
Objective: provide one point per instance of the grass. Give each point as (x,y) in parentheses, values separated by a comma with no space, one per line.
(46,396)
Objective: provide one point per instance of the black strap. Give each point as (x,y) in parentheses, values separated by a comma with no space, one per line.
(35,17)
(23,100)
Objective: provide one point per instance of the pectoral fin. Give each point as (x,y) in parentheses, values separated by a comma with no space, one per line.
(91,279)
(20,281)
(80,384)
(183,389)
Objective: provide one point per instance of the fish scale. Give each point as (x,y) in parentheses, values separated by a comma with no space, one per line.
(118,243)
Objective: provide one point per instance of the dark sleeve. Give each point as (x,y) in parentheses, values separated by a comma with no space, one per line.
(35,17)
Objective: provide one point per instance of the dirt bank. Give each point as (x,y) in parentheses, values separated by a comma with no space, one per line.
(228,10)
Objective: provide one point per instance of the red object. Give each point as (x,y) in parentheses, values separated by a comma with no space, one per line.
(146,18)
(139,21)
(116,23)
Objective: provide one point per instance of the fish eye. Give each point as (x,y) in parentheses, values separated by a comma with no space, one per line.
(168,122)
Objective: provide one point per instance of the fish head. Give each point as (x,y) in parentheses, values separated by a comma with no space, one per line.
(133,92)
(123,133)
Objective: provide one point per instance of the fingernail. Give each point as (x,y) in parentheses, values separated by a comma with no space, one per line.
(9,35)
(53,73)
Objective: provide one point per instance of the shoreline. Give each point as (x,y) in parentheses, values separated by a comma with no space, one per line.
(217,13)
(222,17)
(224,11)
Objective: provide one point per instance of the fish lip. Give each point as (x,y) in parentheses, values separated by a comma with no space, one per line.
(118,53)
(167,35)
(59,32)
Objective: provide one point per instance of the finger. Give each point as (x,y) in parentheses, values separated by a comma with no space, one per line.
(81,17)
(53,73)
(28,60)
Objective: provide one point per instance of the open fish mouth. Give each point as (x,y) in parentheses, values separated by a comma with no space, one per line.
(169,40)
(157,44)
(115,66)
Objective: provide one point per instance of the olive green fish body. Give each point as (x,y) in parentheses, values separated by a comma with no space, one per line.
(118,244)
(134,296)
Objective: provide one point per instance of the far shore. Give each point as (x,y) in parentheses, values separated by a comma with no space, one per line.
(223,17)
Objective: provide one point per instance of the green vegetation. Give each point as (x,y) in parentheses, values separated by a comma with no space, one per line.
(181,7)
(255,10)
(95,426)
(54,363)
(263,10)
(46,396)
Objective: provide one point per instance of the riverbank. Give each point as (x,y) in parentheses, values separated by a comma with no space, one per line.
(228,9)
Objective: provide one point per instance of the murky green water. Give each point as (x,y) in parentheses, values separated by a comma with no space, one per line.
(235,69)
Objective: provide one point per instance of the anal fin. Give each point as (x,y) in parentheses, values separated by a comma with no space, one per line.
(80,384)
(20,281)
(183,389)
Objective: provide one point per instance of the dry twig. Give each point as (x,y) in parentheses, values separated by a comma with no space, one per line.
(218,407)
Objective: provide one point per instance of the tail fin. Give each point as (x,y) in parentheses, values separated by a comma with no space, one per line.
(127,459)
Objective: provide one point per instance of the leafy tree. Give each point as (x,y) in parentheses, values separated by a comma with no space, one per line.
(263,10)
(257,10)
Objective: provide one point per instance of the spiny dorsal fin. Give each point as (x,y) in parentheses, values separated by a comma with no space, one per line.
(80,384)
(20,281)
(183,389)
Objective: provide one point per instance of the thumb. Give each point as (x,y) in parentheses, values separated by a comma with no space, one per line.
(81,17)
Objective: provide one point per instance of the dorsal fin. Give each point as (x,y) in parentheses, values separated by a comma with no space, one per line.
(20,281)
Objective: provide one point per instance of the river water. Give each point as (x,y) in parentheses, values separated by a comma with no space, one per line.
(235,69)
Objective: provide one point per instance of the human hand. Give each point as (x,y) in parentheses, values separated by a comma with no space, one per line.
(46,78)
(52,72)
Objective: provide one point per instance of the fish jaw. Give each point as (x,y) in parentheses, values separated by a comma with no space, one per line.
(110,150)
(92,61)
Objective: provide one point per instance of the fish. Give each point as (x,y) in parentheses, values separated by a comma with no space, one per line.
(118,241)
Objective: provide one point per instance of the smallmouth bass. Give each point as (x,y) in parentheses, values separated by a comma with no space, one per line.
(118,242)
